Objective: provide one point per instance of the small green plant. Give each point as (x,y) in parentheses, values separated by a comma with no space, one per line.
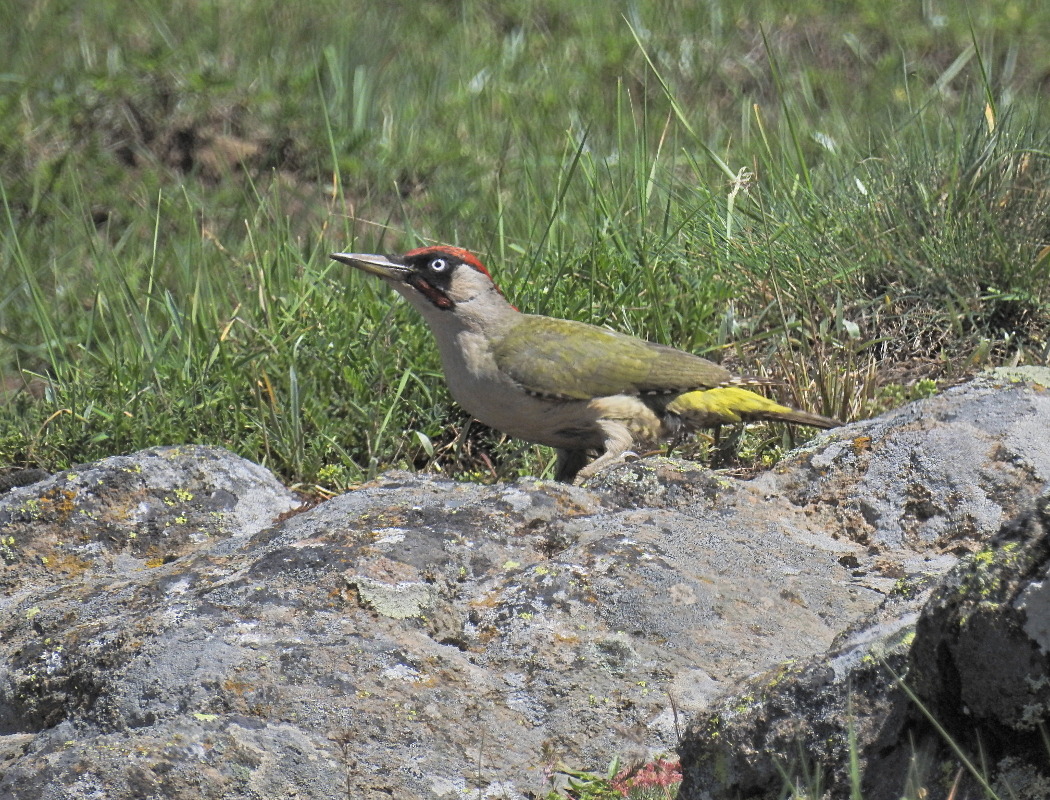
(895,394)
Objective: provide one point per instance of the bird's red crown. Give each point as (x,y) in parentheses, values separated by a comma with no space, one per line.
(465,256)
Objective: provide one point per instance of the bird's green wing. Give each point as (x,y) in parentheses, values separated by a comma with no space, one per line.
(573,360)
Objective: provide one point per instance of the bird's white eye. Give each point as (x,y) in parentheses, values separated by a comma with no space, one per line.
(438,265)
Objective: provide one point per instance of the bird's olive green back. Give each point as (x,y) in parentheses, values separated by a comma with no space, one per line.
(573,360)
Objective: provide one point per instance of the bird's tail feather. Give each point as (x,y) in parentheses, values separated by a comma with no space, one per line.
(730,404)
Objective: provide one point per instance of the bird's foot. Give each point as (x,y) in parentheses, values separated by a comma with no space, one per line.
(604,464)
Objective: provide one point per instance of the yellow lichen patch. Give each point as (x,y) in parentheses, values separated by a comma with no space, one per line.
(989,569)
(486,634)
(7,555)
(59,503)
(68,564)
(236,687)
(566,638)
(860,444)
(489,600)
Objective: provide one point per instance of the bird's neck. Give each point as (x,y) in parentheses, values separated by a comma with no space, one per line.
(486,313)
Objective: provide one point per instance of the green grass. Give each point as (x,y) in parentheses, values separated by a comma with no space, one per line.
(852,200)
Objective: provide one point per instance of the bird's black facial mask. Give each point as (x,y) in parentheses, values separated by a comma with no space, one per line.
(431,276)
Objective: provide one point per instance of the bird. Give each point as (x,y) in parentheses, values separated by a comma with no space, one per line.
(591,393)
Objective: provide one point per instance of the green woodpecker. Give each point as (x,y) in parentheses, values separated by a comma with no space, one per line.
(589,392)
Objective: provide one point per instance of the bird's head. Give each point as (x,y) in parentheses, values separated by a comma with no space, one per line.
(433,278)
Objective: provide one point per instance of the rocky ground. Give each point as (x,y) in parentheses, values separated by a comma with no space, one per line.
(176,624)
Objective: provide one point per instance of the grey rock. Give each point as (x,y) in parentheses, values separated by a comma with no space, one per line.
(936,476)
(979,659)
(964,647)
(114,515)
(176,632)
(969,644)
(13,478)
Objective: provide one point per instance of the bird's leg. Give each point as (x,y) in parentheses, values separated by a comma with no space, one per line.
(618,439)
(716,453)
(726,450)
(569,463)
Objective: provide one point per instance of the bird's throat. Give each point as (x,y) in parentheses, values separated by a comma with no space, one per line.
(436,296)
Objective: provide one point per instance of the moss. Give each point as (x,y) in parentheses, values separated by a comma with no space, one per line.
(745,703)
(989,569)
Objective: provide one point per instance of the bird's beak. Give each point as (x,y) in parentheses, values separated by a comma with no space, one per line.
(383,266)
